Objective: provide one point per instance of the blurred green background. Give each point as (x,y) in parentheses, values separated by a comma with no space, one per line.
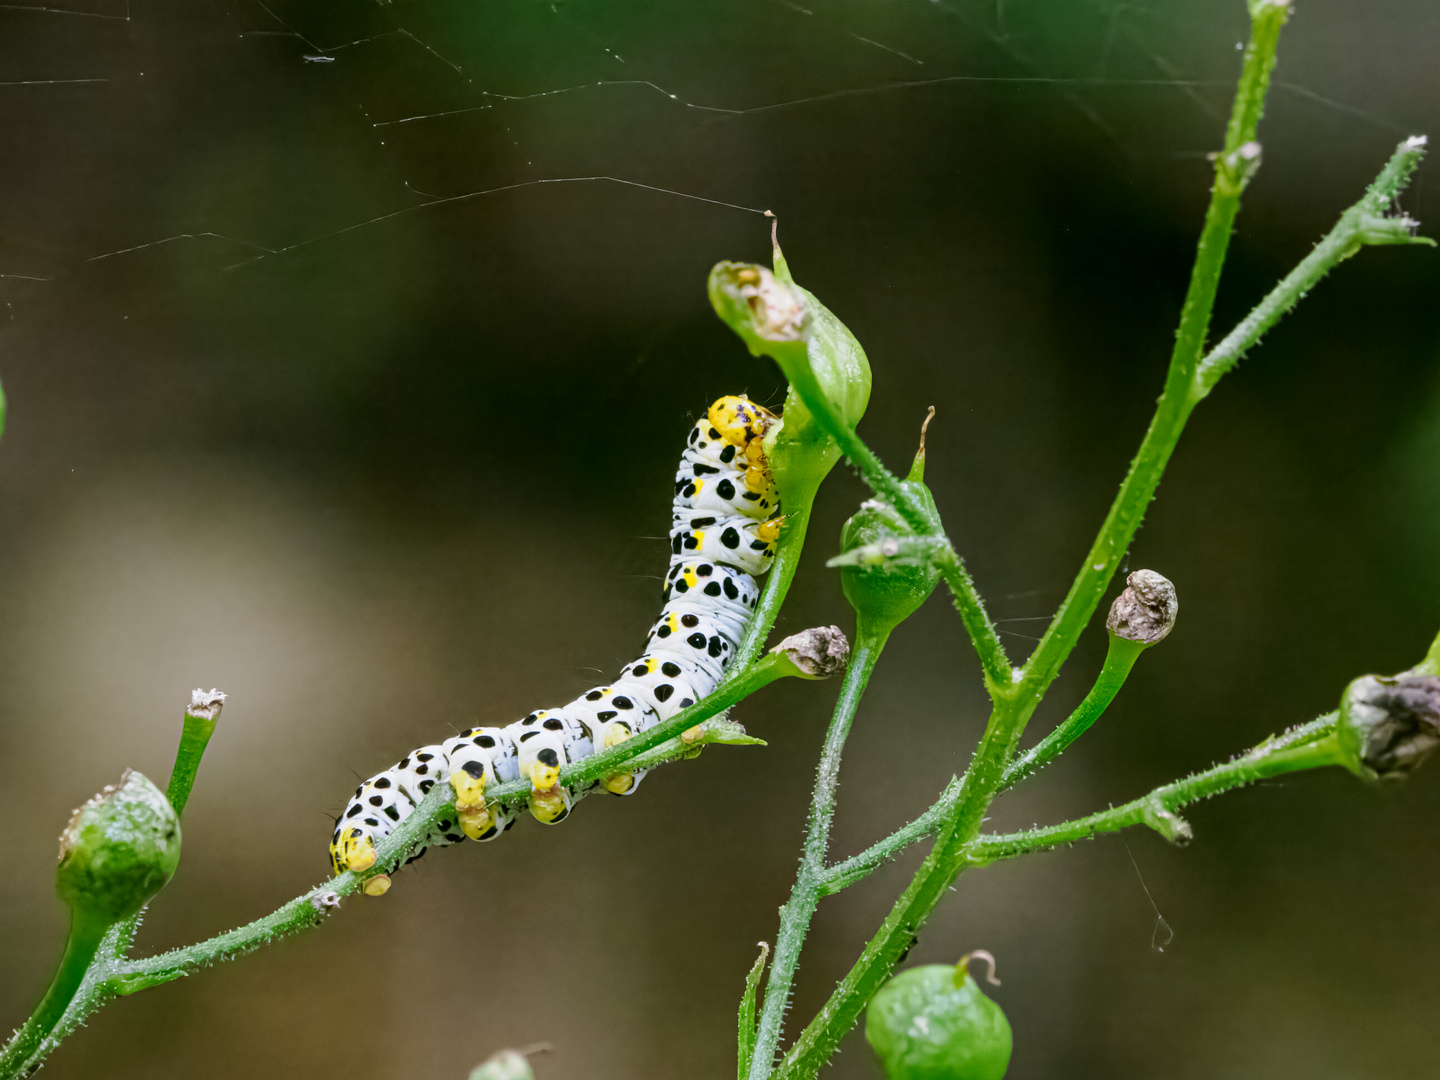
(381,471)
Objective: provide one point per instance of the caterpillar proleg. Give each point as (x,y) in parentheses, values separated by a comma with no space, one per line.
(724,524)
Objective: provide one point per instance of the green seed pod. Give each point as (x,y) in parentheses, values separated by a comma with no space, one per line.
(886,591)
(935,1023)
(118,851)
(1389,725)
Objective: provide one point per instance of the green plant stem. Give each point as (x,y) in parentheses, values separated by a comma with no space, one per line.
(80,949)
(1119,659)
(883,482)
(194,738)
(994,662)
(960,821)
(842,875)
(1233,167)
(777,582)
(110,974)
(795,916)
(1365,223)
(1170,797)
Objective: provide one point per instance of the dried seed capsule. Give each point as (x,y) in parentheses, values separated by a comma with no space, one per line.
(118,851)
(1145,612)
(935,1023)
(1389,725)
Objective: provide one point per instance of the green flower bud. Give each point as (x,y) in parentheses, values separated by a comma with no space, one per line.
(1389,725)
(777,318)
(504,1065)
(118,851)
(935,1023)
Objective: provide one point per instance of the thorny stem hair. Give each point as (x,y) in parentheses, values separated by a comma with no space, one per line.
(953,821)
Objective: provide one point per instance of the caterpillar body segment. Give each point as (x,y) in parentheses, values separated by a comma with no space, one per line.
(725,520)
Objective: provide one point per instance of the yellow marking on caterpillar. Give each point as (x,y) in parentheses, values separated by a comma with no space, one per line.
(355,852)
(378,885)
(699,535)
(769,531)
(691,582)
(469,790)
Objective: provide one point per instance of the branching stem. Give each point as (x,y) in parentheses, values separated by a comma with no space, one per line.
(1234,166)
(1164,800)
(795,916)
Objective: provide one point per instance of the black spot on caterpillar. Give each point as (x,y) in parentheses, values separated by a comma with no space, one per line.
(724,525)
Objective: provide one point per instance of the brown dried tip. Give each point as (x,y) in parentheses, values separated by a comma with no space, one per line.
(1146,610)
(1397,720)
(819,652)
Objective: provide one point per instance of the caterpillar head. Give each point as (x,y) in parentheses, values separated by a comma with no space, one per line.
(740,421)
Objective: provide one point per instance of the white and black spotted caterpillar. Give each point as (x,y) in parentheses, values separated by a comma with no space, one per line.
(722,537)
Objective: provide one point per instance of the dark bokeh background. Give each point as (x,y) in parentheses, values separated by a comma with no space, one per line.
(408,470)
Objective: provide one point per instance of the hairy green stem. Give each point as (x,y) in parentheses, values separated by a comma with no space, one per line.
(1151,809)
(985,776)
(111,974)
(1367,222)
(1234,165)
(994,662)
(1119,659)
(795,916)
(80,949)
(842,875)
(917,516)
(858,867)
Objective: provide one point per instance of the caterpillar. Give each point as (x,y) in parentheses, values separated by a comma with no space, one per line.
(725,520)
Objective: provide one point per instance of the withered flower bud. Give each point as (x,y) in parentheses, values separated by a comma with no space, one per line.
(1145,612)
(818,653)
(1389,725)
